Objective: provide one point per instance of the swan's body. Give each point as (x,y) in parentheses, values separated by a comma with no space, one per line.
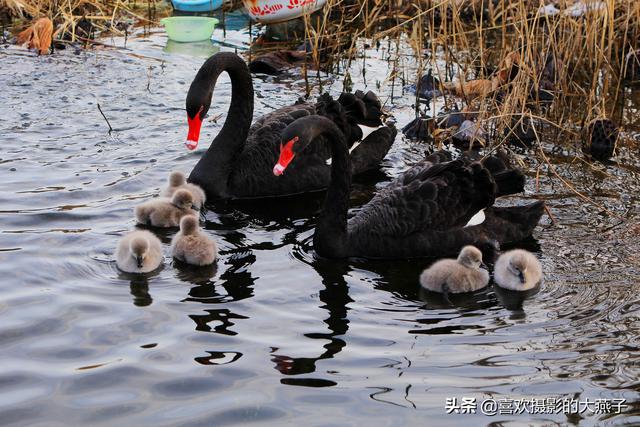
(192,245)
(239,161)
(177,180)
(139,252)
(422,213)
(456,275)
(518,270)
(164,211)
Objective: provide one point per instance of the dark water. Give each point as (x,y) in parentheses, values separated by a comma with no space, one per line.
(272,335)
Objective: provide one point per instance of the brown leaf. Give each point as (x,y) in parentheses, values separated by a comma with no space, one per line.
(38,35)
(472,88)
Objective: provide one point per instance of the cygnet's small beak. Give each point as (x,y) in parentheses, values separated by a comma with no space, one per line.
(483,265)
(139,260)
(521,276)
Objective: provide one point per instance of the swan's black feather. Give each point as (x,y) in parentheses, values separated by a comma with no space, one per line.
(372,149)
(435,197)
(424,212)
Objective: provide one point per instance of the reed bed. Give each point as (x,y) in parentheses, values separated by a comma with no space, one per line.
(586,57)
(507,53)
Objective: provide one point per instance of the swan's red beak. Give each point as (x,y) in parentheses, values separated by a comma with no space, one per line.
(286,155)
(194,131)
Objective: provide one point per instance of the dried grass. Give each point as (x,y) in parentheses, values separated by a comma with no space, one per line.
(66,15)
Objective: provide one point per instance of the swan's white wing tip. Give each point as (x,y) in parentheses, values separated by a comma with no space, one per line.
(477,219)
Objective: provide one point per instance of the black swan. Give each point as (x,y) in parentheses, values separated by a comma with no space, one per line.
(239,161)
(423,212)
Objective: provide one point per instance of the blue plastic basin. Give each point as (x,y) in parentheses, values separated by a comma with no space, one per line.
(196,5)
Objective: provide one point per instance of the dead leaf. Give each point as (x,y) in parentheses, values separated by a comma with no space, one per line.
(38,35)
(472,88)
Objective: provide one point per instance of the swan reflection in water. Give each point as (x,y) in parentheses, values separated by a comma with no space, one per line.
(335,299)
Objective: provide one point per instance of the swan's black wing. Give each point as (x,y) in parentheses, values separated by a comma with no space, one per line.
(278,119)
(369,153)
(512,223)
(426,197)
(508,180)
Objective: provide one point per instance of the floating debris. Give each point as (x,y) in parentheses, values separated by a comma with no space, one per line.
(419,128)
(276,62)
(582,8)
(470,135)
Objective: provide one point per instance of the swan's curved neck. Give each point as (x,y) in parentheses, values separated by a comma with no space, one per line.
(331,238)
(213,169)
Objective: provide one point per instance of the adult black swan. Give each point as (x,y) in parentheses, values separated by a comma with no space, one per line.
(422,213)
(239,161)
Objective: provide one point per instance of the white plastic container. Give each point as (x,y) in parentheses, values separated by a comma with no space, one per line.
(271,11)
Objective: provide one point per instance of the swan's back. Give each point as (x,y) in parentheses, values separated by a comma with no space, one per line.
(427,197)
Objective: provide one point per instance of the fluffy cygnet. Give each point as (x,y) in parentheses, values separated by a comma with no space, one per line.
(139,252)
(518,270)
(456,276)
(178,180)
(192,245)
(165,212)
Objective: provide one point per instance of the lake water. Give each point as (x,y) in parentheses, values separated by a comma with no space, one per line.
(272,334)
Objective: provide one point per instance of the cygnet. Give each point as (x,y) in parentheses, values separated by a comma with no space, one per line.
(178,180)
(139,252)
(456,276)
(192,245)
(518,270)
(165,212)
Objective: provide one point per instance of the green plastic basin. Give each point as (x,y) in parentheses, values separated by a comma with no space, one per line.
(189,28)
